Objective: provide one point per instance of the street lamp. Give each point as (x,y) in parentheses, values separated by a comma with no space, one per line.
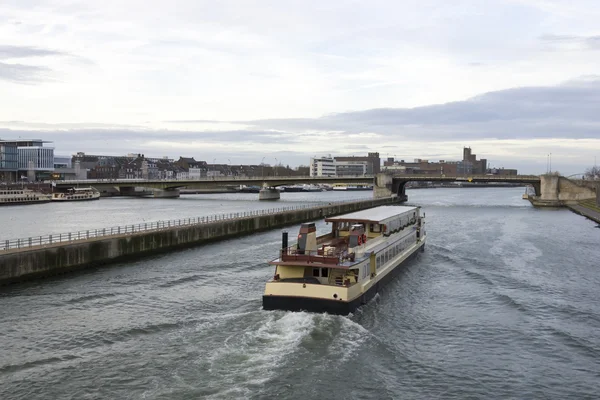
(214,168)
(276,166)
(262,167)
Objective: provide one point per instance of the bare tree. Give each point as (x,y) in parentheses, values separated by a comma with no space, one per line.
(593,173)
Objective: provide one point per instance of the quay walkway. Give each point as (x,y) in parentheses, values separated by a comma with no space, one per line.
(587,210)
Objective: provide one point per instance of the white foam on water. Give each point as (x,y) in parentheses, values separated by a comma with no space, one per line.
(251,357)
(351,337)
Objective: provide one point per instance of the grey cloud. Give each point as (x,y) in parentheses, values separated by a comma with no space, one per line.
(90,138)
(566,111)
(122,141)
(20,73)
(9,52)
(196,121)
(588,42)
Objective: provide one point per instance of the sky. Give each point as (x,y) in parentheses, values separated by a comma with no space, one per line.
(280,81)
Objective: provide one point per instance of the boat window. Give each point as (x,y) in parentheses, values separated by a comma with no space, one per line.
(316,272)
(375,228)
(324,272)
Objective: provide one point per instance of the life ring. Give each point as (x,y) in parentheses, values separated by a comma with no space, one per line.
(359,240)
(364,238)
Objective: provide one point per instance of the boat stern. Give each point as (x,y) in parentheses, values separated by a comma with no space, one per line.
(297,296)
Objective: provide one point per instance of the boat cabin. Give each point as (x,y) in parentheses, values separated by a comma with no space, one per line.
(347,254)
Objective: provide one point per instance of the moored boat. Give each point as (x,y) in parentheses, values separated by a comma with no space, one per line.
(340,271)
(10,197)
(77,194)
(346,187)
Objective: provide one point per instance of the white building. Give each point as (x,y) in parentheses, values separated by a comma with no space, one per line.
(41,158)
(322,166)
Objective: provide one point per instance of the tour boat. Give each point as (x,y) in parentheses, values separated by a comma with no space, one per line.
(346,187)
(77,194)
(22,196)
(342,270)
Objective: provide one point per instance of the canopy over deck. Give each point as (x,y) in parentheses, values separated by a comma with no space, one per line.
(377,215)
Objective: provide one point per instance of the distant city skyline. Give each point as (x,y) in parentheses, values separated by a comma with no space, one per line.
(514,79)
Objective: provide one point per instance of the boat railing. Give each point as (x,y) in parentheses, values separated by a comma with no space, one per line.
(52,239)
(321,256)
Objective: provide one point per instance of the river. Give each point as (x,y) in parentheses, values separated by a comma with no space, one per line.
(503,303)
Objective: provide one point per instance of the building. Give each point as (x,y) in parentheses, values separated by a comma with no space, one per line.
(344,166)
(471,165)
(322,166)
(9,161)
(189,168)
(503,171)
(350,168)
(349,165)
(422,167)
(34,160)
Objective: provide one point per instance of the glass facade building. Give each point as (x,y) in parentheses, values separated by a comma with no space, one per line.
(25,157)
(9,157)
(36,158)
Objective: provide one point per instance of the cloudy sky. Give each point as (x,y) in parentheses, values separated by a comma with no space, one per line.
(249,80)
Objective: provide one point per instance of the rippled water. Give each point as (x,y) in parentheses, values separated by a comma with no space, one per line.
(503,304)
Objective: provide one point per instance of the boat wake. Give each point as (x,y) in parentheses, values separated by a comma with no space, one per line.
(249,358)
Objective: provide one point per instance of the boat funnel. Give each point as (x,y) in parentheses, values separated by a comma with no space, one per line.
(307,238)
(284,240)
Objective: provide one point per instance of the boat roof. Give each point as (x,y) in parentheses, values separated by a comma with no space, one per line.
(373,215)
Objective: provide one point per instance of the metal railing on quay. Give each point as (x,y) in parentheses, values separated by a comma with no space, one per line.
(45,240)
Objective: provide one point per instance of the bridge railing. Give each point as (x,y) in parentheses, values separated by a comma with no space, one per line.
(224,178)
(45,240)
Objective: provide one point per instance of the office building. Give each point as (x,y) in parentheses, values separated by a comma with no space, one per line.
(322,166)
(9,161)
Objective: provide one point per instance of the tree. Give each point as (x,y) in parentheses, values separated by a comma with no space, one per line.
(592,173)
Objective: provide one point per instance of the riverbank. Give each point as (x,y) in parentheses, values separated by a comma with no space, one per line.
(588,209)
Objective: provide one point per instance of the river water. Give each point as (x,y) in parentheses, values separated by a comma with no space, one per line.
(503,303)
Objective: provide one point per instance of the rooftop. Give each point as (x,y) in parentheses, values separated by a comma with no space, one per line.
(377,214)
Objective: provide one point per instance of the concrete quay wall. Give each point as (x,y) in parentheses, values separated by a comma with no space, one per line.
(558,191)
(28,263)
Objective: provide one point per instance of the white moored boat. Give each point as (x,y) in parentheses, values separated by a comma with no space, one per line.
(340,271)
(346,187)
(77,194)
(10,197)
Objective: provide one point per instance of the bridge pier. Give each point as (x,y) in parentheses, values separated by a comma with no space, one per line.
(165,194)
(385,185)
(269,193)
(557,191)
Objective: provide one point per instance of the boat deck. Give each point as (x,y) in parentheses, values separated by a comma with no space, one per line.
(332,252)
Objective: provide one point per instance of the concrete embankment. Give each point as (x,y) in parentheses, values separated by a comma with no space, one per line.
(32,262)
(587,209)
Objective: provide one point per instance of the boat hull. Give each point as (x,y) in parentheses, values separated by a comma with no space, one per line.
(65,199)
(22,203)
(320,305)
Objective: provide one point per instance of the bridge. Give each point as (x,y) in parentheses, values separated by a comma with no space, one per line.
(396,183)
(550,190)
(384,184)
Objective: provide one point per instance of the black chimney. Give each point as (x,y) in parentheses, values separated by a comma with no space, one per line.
(284,240)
